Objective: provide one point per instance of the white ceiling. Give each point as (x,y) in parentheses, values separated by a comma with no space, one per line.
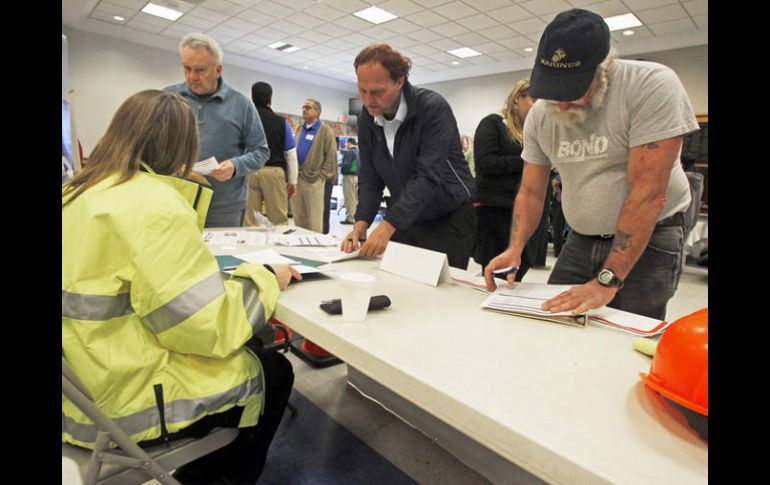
(330,36)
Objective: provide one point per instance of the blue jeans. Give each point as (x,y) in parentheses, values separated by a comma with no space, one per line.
(652,281)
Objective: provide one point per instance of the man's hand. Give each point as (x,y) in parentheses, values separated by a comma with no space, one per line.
(291,189)
(284,273)
(378,240)
(354,239)
(581,298)
(503,260)
(224,172)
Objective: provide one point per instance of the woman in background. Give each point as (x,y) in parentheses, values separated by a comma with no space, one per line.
(497,149)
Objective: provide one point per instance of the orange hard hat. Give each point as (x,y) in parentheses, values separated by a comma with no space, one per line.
(680,368)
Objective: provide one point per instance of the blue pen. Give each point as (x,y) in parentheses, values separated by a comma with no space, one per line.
(506,271)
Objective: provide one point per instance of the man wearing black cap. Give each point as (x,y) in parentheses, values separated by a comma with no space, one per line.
(613,129)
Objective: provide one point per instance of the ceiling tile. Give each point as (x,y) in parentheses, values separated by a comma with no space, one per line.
(325,12)
(151,19)
(207,14)
(239,24)
(641,32)
(490,47)
(675,26)
(702,21)
(528,26)
(353,23)
(517,41)
(450,29)
(479,21)
(445,44)
(499,32)
(456,10)
(108,8)
(609,8)
(270,8)
(144,26)
(222,6)
(256,18)
(240,48)
(378,33)
(332,30)
(244,3)
(644,4)
(220,32)
(696,7)
(544,7)
(424,36)
(400,26)
(430,3)
(510,14)
(471,39)
(132,4)
(661,14)
(313,36)
(402,8)
(425,50)
(305,20)
(289,27)
(427,19)
(403,42)
(297,5)
(107,17)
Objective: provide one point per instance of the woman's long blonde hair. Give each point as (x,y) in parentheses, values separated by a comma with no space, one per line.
(155,127)
(510,112)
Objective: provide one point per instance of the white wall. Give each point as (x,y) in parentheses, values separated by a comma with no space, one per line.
(472,99)
(103,72)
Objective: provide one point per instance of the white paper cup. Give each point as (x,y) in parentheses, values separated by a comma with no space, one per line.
(356,292)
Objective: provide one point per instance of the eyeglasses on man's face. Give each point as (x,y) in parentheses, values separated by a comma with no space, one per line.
(307,106)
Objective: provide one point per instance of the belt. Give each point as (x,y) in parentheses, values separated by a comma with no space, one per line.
(676,219)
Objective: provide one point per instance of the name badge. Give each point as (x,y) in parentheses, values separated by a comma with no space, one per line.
(309,137)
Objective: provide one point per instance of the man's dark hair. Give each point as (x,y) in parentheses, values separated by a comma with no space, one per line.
(397,64)
(261,93)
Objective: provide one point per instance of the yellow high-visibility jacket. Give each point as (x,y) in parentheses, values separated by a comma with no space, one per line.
(146,314)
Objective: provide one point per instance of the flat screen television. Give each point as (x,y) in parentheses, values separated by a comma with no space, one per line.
(355,106)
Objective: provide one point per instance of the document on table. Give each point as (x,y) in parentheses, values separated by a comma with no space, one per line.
(305,240)
(235,237)
(205,167)
(333,254)
(525,300)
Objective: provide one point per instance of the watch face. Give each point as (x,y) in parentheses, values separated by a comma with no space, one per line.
(604,277)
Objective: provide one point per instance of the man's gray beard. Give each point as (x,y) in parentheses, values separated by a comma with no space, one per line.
(577,115)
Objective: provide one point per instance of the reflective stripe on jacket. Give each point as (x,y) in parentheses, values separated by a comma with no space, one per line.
(145,310)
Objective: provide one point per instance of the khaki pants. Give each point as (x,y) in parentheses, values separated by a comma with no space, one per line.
(268,184)
(307,206)
(350,192)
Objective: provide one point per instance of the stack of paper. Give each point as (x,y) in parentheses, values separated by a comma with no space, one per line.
(525,299)
(305,240)
(205,167)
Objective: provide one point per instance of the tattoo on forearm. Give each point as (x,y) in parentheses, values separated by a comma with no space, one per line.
(652,146)
(622,241)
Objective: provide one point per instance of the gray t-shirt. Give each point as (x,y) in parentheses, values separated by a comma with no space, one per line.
(645,102)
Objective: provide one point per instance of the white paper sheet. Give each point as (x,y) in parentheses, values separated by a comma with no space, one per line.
(205,167)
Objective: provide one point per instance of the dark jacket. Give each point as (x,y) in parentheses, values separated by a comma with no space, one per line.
(275,132)
(429,177)
(350,161)
(498,163)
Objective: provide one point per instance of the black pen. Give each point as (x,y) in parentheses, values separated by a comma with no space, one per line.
(288,231)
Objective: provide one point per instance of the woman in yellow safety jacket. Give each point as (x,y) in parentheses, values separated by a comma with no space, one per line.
(148,323)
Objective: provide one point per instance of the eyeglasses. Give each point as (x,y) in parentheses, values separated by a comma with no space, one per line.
(308,107)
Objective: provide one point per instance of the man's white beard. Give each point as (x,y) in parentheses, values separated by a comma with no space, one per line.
(576,115)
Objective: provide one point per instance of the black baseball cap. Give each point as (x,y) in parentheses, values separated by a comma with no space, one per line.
(571,47)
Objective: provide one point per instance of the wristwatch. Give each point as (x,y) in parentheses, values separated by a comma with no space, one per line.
(608,278)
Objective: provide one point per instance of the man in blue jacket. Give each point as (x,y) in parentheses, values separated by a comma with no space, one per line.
(409,142)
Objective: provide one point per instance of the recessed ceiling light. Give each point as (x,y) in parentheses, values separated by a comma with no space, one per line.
(305,67)
(528,49)
(456,63)
(277,45)
(464,52)
(284,47)
(162,12)
(625,21)
(290,49)
(375,15)
(118,18)
(628,32)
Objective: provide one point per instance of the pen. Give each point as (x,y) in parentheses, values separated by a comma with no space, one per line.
(288,231)
(506,271)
